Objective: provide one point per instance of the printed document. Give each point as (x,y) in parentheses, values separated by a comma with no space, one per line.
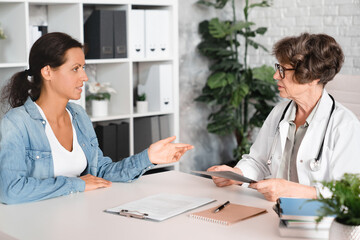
(162,206)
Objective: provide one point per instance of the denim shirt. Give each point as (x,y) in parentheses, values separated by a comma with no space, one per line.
(26,164)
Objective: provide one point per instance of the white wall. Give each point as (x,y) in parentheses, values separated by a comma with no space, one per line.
(338,18)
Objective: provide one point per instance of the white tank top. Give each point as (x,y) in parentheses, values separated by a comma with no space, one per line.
(68,164)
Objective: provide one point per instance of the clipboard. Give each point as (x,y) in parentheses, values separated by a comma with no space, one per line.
(159,207)
(228,175)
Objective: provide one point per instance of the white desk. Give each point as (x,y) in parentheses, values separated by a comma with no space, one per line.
(81,216)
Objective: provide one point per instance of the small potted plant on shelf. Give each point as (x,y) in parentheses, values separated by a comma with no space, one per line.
(99,94)
(344,204)
(141,103)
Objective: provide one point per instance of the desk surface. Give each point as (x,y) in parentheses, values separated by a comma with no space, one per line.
(81,216)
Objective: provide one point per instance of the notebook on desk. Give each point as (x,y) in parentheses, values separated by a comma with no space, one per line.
(230,214)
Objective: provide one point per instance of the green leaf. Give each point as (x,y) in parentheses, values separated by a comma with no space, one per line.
(240,92)
(217,80)
(218,4)
(261,30)
(241,25)
(262,4)
(226,65)
(219,29)
(256,45)
(264,73)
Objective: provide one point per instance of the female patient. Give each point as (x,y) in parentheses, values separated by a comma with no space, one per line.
(48,146)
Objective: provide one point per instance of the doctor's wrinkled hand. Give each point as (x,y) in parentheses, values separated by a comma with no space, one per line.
(223,182)
(274,188)
(164,151)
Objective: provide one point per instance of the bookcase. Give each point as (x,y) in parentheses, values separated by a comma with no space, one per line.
(17,18)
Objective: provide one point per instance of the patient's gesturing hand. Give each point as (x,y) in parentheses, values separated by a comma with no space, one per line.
(164,151)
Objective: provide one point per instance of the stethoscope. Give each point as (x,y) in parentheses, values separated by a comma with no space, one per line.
(315,163)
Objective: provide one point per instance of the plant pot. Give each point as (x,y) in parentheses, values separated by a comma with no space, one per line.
(340,231)
(99,108)
(141,106)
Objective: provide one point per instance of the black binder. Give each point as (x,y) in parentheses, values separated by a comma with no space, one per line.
(146,132)
(120,46)
(123,146)
(106,135)
(98,34)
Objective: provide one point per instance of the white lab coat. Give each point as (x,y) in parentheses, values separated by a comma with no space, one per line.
(341,151)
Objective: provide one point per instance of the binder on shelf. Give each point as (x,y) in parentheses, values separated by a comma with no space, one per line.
(106,135)
(155,80)
(36,31)
(157,30)
(98,34)
(164,126)
(137,31)
(146,132)
(120,34)
(122,131)
(113,140)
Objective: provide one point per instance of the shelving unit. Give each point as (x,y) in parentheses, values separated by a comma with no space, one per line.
(69,16)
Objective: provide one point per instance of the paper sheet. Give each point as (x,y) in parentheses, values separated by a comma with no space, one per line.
(162,206)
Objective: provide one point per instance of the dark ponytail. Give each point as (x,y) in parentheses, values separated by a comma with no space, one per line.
(50,50)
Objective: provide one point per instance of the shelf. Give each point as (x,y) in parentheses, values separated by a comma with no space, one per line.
(110,118)
(13,65)
(137,115)
(153,60)
(105,61)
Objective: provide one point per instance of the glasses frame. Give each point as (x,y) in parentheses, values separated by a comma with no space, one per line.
(282,70)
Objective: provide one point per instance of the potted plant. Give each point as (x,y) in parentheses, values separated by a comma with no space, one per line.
(99,94)
(240,97)
(141,103)
(344,204)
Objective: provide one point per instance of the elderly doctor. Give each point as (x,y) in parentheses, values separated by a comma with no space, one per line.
(308,139)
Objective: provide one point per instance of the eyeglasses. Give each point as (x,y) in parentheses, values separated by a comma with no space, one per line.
(282,70)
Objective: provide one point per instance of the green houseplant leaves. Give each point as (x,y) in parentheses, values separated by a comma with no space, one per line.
(240,97)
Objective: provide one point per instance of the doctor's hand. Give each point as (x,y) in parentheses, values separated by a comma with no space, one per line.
(92,182)
(274,188)
(223,182)
(164,151)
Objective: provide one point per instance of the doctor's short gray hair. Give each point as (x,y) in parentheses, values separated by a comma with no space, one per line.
(314,56)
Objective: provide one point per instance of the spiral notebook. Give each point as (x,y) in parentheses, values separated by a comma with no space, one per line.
(232,213)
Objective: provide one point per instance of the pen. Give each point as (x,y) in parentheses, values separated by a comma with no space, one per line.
(221,207)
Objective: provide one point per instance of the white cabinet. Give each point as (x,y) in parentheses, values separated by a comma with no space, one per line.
(17,18)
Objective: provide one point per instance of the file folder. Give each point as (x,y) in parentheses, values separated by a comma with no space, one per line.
(137,32)
(157,33)
(98,34)
(155,80)
(120,46)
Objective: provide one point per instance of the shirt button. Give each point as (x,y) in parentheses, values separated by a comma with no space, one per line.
(37,157)
(43,122)
(301,161)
